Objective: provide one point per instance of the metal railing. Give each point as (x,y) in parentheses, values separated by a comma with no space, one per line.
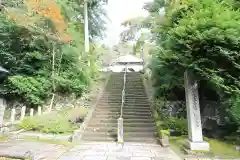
(123,92)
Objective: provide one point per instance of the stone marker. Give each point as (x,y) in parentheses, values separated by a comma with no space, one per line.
(120,130)
(13,114)
(31,112)
(23,111)
(238,148)
(2,110)
(195,137)
(39,110)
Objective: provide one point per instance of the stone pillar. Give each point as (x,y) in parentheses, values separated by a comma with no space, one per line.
(2,110)
(39,110)
(120,130)
(23,112)
(13,114)
(193,113)
(31,112)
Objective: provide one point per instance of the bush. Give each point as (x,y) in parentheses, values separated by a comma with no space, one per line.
(163,133)
(55,122)
(77,114)
(235,108)
(176,124)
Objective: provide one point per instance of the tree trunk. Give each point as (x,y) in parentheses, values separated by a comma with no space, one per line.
(53,77)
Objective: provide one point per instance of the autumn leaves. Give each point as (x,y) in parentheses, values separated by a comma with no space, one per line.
(33,12)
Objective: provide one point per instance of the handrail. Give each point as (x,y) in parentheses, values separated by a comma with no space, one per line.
(123,91)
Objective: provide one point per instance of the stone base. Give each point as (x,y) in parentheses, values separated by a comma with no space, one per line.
(199,146)
(238,148)
(120,130)
(164,142)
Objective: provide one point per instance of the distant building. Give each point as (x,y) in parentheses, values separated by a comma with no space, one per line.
(132,63)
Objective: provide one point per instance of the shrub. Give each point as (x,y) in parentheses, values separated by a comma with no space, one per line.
(163,133)
(235,108)
(77,114)
(176,124)
(55,122)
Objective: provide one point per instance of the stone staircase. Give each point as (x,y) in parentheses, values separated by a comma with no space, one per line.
(138,122)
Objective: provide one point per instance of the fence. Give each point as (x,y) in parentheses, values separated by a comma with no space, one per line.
(16,117)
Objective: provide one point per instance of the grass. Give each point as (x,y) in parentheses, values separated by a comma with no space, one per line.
(218,148)
(56,122)
(3,138)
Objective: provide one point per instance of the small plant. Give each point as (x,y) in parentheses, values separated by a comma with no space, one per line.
(177,124)
(164,140)
(61,122)
(162,133)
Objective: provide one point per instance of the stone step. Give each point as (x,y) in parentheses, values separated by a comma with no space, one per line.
(125,113)
(98,139)
(117,99)
(126,89)
(129,98)
(139,110)
(126,134)
(150,140)
(124,110)
(138,122)
(131,86)
(126,129)
(132,120)
(119,96)
(127,93)
(107,94)
(129,101)
(114,124)
(124,116)
(126,105)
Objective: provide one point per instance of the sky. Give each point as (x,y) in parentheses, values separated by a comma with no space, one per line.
(119,11)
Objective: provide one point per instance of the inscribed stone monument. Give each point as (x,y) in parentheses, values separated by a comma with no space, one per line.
(193,113)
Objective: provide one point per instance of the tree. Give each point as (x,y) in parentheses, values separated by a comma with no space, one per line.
(201,36)
(42,47)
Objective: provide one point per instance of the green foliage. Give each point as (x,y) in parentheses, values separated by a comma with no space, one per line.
(177,124)
(235,108)
(40,62)
(203,38)
(33,89)
(218,148)
(60,122)
(56,125)
(163,133)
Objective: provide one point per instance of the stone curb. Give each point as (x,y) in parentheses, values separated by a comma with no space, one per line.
(20,155)
(40,136)
(203,158)
(77,135)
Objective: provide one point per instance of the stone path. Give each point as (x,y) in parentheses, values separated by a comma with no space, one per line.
(89,151)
